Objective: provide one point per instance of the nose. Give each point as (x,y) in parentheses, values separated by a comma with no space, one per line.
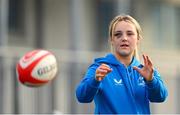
(124,37)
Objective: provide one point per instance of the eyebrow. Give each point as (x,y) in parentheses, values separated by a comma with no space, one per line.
(121,31)
(117,31)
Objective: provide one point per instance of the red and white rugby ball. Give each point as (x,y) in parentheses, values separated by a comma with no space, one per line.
(36,68)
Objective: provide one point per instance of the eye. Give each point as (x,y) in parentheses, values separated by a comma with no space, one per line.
(130,33)
(118,34)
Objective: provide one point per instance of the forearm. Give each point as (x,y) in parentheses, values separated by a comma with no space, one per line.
(87,89)
(157,91)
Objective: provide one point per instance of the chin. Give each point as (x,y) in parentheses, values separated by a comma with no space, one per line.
(124,54)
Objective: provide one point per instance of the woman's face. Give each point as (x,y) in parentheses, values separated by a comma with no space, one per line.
(124,39)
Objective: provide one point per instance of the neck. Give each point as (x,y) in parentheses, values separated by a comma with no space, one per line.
(126,60)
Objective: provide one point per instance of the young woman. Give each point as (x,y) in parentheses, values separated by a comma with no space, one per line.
(118,83)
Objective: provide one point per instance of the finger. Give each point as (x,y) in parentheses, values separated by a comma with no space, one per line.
(149,61)
(150,64)
(145,60)
(106,70)
(137,69)
(105,67)
(103,64)
(103,71)
(100,76)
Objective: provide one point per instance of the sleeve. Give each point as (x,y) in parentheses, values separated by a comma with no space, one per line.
(88,87)
(157,91)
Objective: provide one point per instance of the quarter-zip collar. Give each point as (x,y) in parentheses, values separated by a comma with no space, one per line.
(111,59)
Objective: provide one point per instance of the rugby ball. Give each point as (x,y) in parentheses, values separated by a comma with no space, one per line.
(36,68)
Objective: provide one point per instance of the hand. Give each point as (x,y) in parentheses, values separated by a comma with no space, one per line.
(102,71)
(147,70)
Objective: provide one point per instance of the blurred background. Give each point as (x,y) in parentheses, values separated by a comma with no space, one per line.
(76,31)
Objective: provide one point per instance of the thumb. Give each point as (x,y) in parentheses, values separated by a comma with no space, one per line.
(109,70)
(136,68)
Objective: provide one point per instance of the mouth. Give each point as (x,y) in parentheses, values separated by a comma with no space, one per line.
(124,46)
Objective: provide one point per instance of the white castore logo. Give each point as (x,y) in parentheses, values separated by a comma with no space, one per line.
(118,82)
(141,81)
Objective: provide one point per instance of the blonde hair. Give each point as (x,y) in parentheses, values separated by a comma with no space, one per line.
(126,18)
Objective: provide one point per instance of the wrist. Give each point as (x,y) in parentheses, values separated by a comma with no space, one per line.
(150,79)
(98,78)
